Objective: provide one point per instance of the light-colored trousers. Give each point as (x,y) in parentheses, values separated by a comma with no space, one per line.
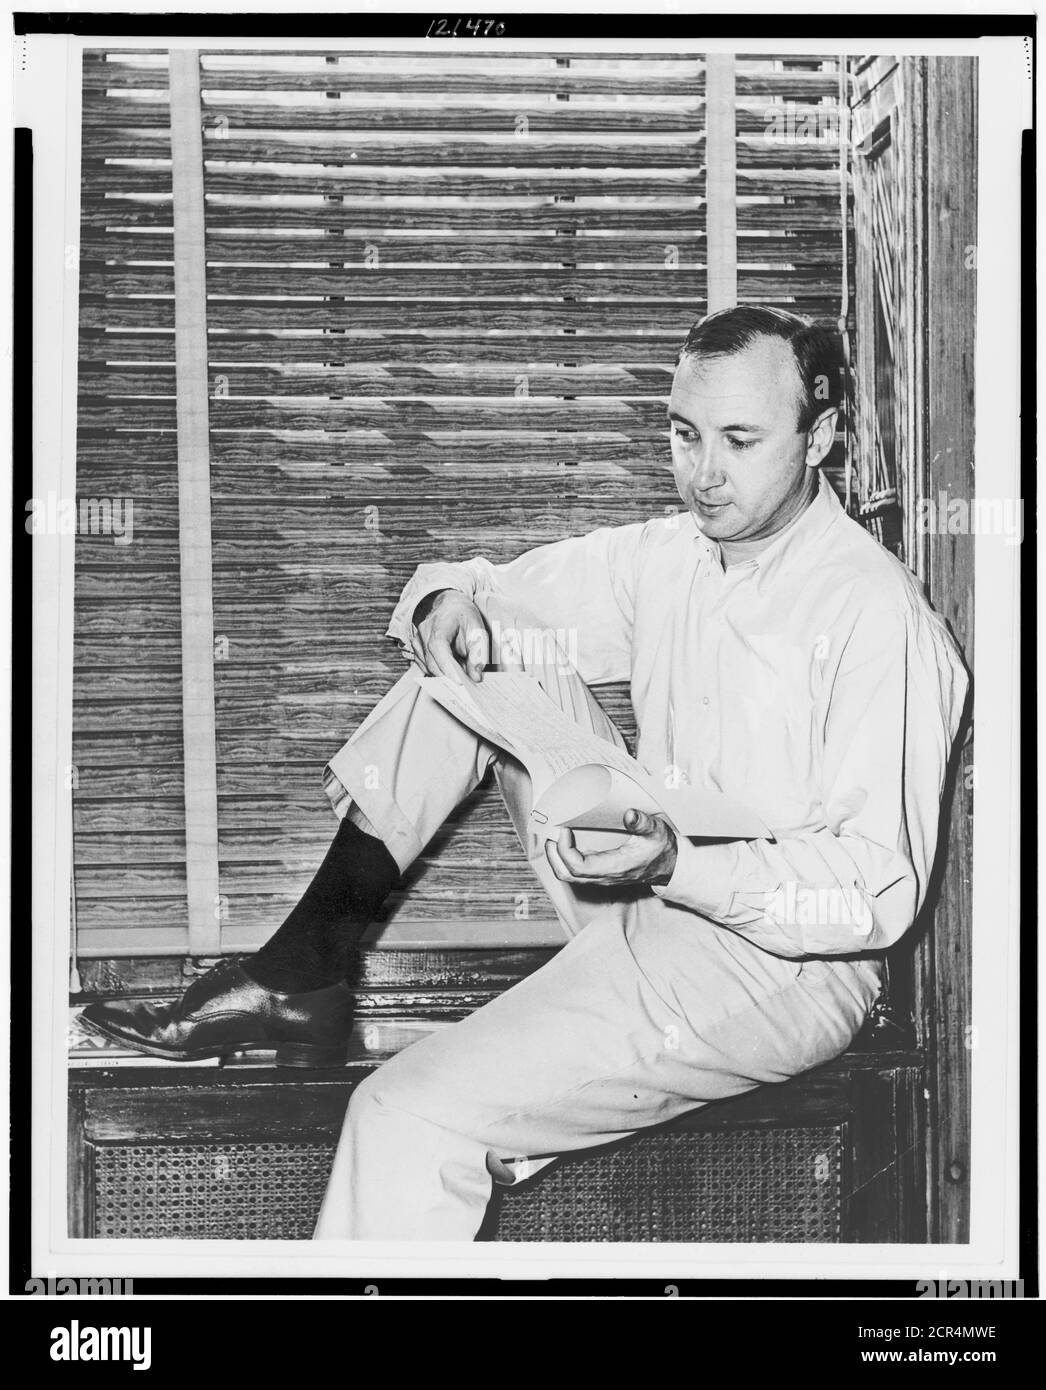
(647,1012)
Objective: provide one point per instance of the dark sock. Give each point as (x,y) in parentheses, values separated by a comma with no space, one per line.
(316,945)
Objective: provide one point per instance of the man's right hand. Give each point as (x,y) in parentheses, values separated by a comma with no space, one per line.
(450,636)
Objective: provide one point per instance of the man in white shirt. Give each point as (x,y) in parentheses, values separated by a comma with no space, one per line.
(776,653)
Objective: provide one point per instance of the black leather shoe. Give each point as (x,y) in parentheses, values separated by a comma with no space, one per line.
(225,1011)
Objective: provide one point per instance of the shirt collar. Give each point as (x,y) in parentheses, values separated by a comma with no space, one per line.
(795,540)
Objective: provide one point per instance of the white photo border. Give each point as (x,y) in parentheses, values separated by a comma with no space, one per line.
(53,113)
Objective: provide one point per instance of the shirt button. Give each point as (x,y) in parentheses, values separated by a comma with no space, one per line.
(706,700)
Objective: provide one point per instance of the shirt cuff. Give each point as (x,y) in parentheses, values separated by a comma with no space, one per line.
(428,579)
(704,878)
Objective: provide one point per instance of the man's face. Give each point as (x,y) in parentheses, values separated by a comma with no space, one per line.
(741,465)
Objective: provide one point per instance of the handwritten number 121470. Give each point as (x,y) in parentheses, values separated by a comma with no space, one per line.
(459,28)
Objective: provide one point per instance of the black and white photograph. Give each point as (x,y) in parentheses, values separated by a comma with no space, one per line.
(523,533)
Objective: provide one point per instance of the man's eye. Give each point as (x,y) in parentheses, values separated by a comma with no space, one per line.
(687,436)
(740,444)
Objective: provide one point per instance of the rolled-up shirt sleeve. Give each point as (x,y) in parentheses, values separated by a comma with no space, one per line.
(857,882)
(583,587)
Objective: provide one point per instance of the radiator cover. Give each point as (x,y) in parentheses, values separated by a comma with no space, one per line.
(765,1185)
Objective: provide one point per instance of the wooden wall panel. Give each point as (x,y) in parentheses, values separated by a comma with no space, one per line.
(951,197)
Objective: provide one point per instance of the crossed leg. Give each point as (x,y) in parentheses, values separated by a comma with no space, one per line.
(648,1010)
(411,763)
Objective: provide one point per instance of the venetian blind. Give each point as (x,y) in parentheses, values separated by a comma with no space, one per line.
(444,294)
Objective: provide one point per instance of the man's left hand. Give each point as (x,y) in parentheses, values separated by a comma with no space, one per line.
(649,856)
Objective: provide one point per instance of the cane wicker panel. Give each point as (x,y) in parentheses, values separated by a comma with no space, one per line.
(747,1185)
(774,1185)
(245,1191)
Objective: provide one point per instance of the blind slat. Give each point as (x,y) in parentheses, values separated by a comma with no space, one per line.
(812,248)
(493,315)
(405,380)
(490,215)
(102,112)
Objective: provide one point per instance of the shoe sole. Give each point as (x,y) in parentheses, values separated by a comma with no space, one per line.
(294,1055)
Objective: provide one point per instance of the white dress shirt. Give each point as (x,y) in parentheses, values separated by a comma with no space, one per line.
(813,682)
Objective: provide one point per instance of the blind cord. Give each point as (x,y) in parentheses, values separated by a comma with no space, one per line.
(75,985)
(844,288)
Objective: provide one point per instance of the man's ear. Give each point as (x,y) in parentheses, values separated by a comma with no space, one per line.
(821,436)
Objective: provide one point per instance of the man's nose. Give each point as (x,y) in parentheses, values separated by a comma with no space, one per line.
(708,469)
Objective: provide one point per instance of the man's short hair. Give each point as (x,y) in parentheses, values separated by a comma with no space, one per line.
(817,351)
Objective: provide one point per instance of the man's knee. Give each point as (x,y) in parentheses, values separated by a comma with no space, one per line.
(371,1098)
(397,1092)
